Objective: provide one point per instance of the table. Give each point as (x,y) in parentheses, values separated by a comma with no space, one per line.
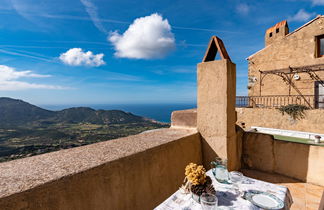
(226,199)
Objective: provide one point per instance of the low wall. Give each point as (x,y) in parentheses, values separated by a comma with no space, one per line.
(184,119)
(272,118)
(299,161)
(136,172)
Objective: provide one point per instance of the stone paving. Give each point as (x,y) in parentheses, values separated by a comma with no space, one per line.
(305,195)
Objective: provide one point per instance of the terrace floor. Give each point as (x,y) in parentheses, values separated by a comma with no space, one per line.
(305,195)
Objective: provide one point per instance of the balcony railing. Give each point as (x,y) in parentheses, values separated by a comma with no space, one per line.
(275,101)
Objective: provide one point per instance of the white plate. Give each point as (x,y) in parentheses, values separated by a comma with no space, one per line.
(264,200)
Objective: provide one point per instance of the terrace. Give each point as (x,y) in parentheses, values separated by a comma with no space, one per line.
(140,171)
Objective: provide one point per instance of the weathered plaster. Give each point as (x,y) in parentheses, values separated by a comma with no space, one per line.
(136,172)
(272,118)
(216,111)
(300,161)
(295,49)
(184,119)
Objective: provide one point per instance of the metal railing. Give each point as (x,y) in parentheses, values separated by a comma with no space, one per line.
(275,101)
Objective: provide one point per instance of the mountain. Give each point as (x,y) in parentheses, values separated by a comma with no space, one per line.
(14,112)
(27,130)
(88,115)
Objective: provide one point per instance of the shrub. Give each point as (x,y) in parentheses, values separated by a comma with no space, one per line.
(295,111)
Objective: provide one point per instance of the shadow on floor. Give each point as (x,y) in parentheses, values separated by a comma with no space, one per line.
(305,195)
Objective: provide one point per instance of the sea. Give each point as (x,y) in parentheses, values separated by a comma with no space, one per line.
(158,112)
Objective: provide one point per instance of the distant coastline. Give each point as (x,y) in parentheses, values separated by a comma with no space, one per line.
(158,112)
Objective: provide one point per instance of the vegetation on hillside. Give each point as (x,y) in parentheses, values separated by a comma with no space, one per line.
(27,130)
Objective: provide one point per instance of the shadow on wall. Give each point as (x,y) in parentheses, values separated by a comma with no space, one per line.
(207,151)
(209,154)
(262,152)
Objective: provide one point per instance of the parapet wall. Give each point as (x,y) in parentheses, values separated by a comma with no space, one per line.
(300,161)
(272,118)
(184,119)
(262,152)
(261,117)
(136,172)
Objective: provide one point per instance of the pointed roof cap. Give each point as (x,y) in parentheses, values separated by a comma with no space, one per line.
(215,45)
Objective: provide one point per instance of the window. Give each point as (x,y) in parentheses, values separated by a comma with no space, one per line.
(320,46)
(270,35)
(277,30)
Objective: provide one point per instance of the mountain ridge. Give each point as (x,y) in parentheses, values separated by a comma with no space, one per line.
(16,112)
(27,130)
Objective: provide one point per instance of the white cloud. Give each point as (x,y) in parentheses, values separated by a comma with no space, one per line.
(18,85)
(9,76)
(318,2)
(301,16)
(78,57)
(92,11)
(8,73)
(147,37)
(243,9)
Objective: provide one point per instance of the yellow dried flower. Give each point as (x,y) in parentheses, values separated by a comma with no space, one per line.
(195,174)
(190,168)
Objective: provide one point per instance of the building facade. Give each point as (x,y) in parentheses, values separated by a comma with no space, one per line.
(290,64)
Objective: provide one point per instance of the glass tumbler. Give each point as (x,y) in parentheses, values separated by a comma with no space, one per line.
(208,201)
(236,179)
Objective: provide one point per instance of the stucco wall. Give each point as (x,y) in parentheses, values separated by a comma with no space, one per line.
(299,161)
(216,111)
(272,118)
(136,172)
(184,119)
(295,49)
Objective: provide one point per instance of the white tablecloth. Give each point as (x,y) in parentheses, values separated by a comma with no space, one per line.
(226,198)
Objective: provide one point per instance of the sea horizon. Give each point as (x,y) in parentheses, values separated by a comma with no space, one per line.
(158,112)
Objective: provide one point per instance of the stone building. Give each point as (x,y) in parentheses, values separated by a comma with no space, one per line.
(290,64)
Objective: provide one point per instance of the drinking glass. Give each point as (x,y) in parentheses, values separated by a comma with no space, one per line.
(236,179)
(208,201)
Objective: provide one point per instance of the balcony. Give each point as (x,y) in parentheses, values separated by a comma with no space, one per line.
(136,172)
(276,101)
(140,171)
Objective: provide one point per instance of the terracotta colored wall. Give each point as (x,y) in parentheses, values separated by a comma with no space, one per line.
(272,118)
(299,161)
(139,181)
(296,49)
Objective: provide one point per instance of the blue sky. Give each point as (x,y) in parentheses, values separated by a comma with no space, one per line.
(128,52)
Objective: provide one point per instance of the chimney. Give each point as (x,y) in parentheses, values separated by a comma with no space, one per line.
(276,32)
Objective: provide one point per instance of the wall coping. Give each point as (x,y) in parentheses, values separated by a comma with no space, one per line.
(23,174)
(285,132)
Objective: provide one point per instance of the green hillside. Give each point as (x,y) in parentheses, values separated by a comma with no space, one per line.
(27,130)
